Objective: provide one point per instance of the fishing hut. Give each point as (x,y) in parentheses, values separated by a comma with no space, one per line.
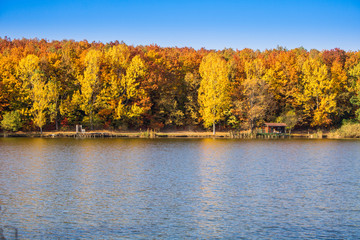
(273,128)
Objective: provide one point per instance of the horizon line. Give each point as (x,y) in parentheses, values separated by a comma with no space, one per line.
(278,47)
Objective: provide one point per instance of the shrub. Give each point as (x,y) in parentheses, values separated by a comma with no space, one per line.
(95,121)
(11,121)
(347,130)
(148,134)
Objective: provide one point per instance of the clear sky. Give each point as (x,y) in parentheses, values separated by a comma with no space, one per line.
(258,24)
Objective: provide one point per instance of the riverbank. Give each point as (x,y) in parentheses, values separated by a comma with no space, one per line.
(113,134)
(153,134)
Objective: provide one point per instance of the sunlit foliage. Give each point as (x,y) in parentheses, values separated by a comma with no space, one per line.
(57,84)
(214,89)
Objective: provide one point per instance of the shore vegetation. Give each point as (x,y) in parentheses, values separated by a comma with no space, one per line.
(56,85)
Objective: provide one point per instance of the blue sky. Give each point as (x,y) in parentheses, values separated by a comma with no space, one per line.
(211,24)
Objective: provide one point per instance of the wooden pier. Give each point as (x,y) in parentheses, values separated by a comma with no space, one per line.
(82,135)
(272,135)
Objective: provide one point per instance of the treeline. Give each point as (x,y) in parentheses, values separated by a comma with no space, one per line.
(57,84)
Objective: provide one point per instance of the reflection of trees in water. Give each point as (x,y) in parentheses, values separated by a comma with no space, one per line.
(6,227)
(1,234)
(14,229)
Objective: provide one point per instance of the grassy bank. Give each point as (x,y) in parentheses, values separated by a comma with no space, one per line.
(348,130)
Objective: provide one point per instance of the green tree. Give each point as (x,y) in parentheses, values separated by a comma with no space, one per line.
(11,121)
(290,118)
(214,98)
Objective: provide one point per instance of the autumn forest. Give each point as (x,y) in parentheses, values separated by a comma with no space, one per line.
(54,85)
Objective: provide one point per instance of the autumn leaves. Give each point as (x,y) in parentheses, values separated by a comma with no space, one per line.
(214,91)
(297,85)
(35,89)
(60,84)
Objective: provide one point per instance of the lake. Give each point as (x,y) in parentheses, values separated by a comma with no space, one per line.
(180,188)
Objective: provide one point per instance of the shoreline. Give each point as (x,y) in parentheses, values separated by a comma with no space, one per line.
(113,134)
(152,134)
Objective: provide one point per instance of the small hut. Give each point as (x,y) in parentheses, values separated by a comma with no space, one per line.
(274,128)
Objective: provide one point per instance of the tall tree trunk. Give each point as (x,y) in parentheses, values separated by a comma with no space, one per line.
(57,117)
(214,127)
(91,121)
(57,122)
(57,104)
(214,120)
(251,126)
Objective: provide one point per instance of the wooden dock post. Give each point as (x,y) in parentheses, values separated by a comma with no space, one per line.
(79,128)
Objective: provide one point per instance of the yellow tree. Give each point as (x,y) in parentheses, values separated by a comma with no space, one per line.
(214,97)
(53,72)
(317,97)
(341,88)
(355,100)
(123,93)
(4,89)
(117,59)
(129,90)
(41,102)
(90,83)
(282,75)
(36,88)
(257,101)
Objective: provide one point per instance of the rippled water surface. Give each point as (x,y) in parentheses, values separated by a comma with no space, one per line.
(180,188)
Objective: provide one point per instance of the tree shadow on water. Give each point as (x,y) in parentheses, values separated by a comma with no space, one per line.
(7,232)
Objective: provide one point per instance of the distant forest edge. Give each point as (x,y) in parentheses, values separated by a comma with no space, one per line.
(58,84)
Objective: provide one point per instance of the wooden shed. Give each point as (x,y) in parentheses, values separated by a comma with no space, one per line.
(273,128)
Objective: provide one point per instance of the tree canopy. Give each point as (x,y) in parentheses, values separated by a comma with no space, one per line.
(58,84)
(214,97)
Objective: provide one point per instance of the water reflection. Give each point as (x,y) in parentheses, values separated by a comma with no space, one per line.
(173,188)
(213,175)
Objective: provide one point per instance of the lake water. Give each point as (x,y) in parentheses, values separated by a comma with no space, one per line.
(180,188)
